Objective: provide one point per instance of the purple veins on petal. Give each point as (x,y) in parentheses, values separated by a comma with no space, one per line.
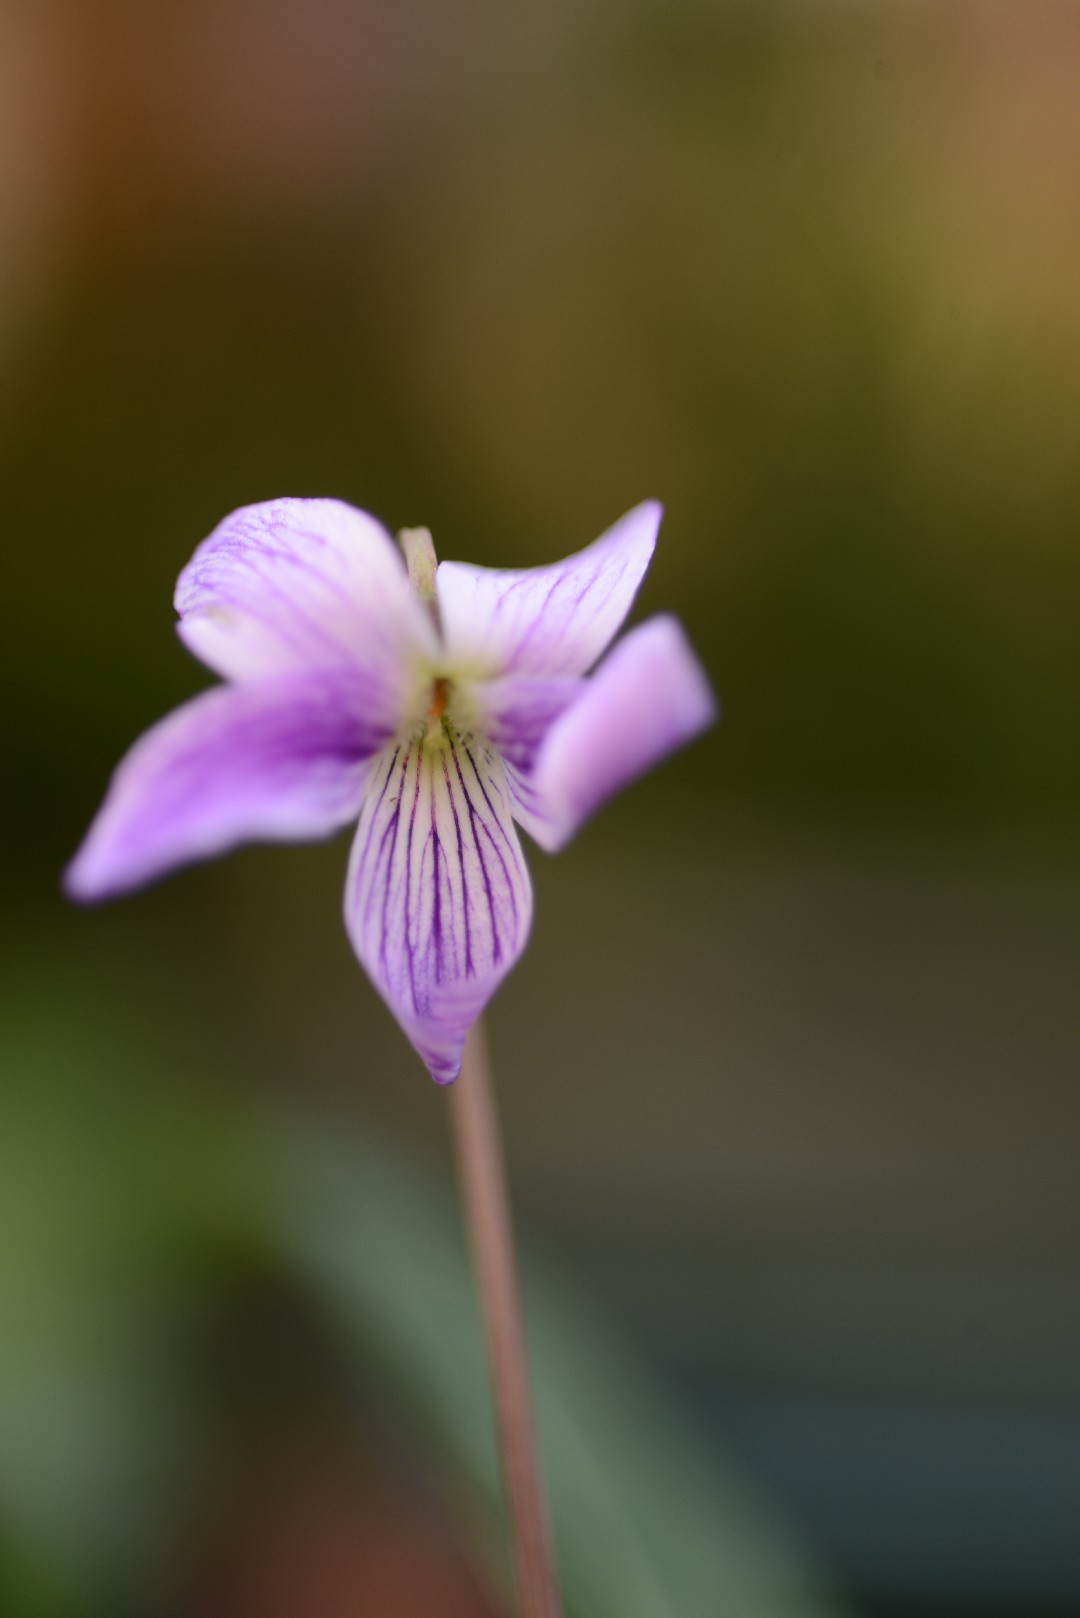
(438,900)
(554,620)
(301,584)
(516,712)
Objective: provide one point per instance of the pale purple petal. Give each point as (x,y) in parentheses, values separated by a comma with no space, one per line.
(438,900)
(280,760)
(303,584)
(553,620)
(648,697)
(516,713)
(530,810)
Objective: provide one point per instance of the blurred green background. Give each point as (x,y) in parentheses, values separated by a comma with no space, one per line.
(789,1072)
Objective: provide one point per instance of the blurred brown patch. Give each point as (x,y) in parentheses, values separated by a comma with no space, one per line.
(323,1543)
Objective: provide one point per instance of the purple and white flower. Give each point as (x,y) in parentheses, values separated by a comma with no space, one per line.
(433,705)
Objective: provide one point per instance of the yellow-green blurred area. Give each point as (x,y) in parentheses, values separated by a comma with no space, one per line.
(789,1071)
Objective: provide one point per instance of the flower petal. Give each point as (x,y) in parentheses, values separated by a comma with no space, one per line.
(301,584)
(646,699)
(546,620)
(281,760)
(516,713)
(438,900)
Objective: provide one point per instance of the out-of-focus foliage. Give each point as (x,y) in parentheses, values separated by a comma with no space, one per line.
(125,1217)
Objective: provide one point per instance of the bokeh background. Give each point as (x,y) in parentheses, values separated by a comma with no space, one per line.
(789,1073)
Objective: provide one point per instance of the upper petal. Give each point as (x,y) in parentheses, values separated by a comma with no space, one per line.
(301,584)
(648,697)
(546,620)
(438,900)
(283,759)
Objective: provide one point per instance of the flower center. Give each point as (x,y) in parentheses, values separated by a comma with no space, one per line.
(440,706)
(444,712)
(440,696)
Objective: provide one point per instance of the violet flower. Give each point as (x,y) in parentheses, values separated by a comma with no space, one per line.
(433,705)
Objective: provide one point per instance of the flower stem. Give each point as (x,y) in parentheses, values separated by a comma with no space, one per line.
(483,1186)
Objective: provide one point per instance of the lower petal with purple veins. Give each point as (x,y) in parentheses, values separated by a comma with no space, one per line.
(438,901)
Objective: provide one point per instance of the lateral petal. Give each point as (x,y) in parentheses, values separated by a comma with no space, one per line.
(648,697)
(516,713)
(302,584)
(554,620)
(438,900)
(282,760)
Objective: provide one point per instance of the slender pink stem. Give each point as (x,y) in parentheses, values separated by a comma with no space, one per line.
(483,1184)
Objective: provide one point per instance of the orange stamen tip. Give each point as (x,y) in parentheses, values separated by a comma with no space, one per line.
(440,694)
